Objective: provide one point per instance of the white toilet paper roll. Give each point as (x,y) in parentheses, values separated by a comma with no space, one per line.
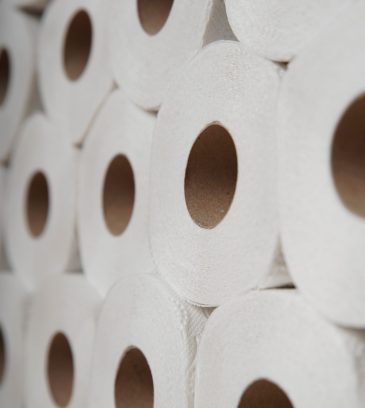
(213,188)
(41,204)
(278,29)
(322,150)
(13,300)
(271,349)
(73,63)
(148,360)
(150,40)
(17,74)
(113,193)
(59,342)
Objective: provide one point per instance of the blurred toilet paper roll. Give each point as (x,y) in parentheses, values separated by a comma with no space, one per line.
(278,29)
(271,349)
(13,300)
(322,170)
(59,342)
(73,63)
(149,358)
(113,193)
(213,222)
(41,203)
(17,74)
(150,40)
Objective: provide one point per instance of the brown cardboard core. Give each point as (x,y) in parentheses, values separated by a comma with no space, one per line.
(118,195)
(133,386)
(2,356)
(77,46)
(348,157)
(264,394)
(153,14)
(210,176)
(37,204)
(60,370)
(4,74)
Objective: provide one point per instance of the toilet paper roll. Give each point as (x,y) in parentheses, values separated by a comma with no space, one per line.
(322,148)
(151,40)
(278,29)
(59,342)
(213,219)
(149,358)
(73,63)
(113,193)
(41,205)
(13,300)
(270,348)
(17,74)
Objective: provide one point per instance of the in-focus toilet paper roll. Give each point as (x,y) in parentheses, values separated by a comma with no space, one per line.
(73,62)
(213,221)
(272,346)
(278,29)
(151,40)
(41,203)
(13,300)
(17,74)
(322,170)
(113,193)
(145,347)
(59,342)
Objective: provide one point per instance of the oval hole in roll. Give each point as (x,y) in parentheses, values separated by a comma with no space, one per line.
(5,74)
(153,14)
(264,394)
(60,370)
(37,204)
(133,387)
(77,45)
(2,356)
(348,157)
(118,195)
(211,176)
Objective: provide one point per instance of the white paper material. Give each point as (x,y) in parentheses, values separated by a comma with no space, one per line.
(50,247)
(321,171)
(145,62)
(28,5)
(107,252)
(275,335)
(278,29)
(65,305)
(71,96)
(141,312)
(226,85)
(17,83)
(13,304)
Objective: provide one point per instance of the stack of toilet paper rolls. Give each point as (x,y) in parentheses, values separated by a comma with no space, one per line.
(182,203)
